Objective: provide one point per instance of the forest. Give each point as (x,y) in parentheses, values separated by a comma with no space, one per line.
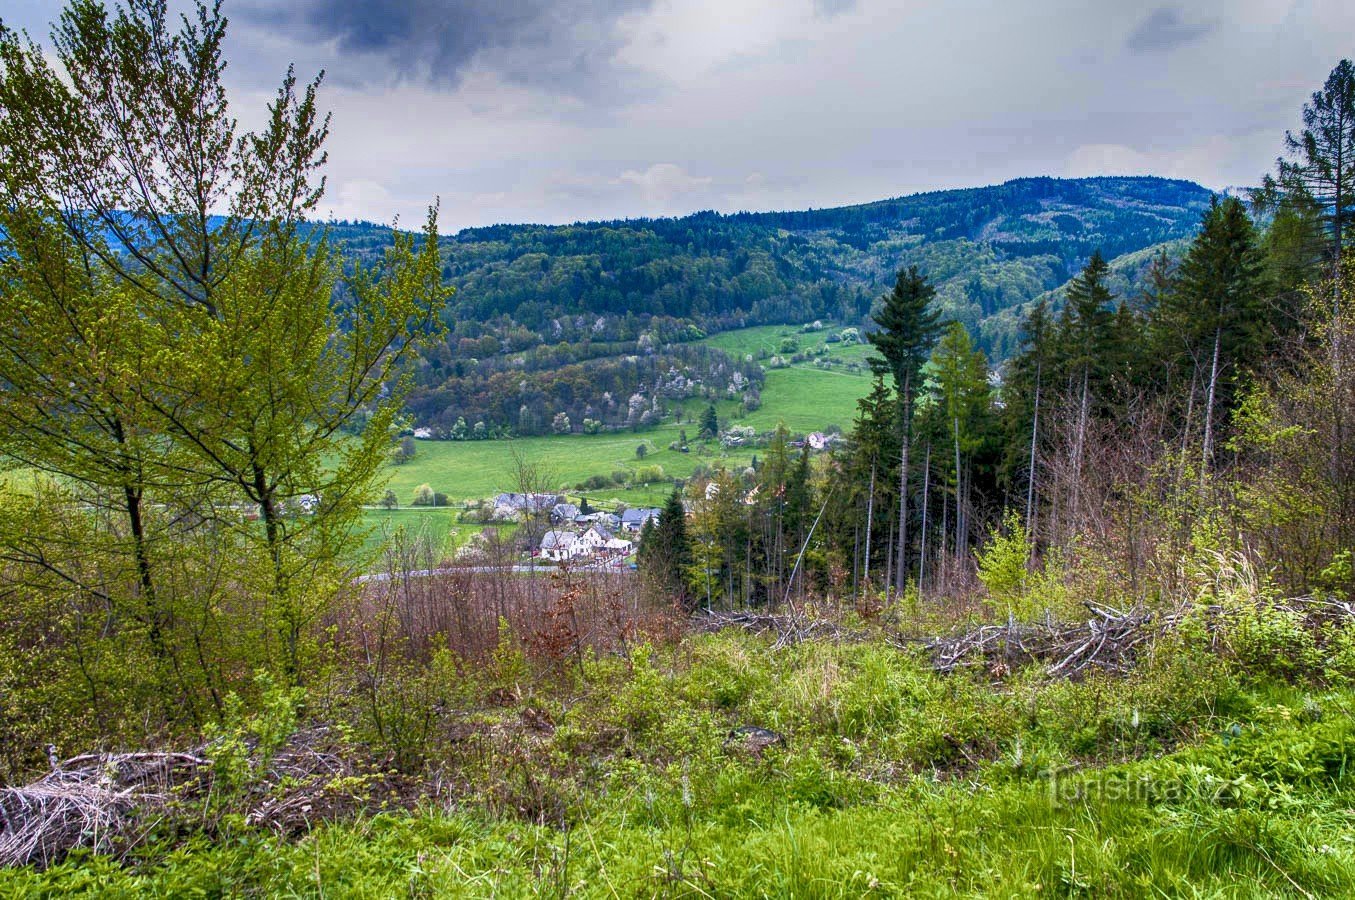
(584,291)
(1076,617)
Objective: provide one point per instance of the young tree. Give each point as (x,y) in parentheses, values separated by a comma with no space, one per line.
(665,551)
(870,453)
(960,402)
(252,386)
(908,329)
(1085,345)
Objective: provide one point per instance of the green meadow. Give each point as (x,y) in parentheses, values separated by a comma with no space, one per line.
(805,397)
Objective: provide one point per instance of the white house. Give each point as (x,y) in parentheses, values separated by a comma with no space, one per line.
(594,539)
(560,546)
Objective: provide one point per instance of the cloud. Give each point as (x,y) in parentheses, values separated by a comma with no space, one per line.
(830,8)
(662,183)
(559,110)
(1165,30)
(1106,159)
(556,46)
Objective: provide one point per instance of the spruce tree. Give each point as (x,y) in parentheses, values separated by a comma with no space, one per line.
(710,423)
(665,551)
(908,329)
(1216,312)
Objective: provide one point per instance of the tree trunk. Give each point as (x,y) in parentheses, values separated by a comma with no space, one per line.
(1207,452)
(899,566)
(959,516)
(926,496)
(1034,460)
(870,516)
(273,534)
(1083,412)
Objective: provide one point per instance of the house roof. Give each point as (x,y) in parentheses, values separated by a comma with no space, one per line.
(556,540)
(638,515)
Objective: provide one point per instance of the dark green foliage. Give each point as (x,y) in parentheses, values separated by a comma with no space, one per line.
(710,423)
(555,298)
(1320,167)
(665,552)
(907,329)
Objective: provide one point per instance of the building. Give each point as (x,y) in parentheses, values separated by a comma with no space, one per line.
(633,520)
(564,512)
(560,546)
(512,505)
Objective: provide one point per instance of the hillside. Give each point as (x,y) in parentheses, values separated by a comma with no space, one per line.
(540,299)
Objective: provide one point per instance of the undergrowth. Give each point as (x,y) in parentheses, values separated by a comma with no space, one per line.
(626,776)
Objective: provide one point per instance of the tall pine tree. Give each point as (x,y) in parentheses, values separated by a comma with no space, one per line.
(908,329)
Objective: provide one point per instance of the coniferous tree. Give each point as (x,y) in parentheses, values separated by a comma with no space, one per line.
(1320,165)
(908,330)
(710,423)
(665,551)
(1024,397)
(1216,314)
(1085,340)
(869,463)
(958,414)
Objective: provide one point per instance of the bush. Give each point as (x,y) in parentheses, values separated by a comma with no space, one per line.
(1002,566)
(424,496)
(649,474)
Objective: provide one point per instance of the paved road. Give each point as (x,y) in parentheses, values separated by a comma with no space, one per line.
(383,577)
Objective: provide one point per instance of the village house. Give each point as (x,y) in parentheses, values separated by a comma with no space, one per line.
(510,505)
(633,520)
(564,512)
(560,546)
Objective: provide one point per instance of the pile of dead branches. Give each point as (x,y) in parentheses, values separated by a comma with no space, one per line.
(110,802)
(1109,640)
(101,801)
(787,627)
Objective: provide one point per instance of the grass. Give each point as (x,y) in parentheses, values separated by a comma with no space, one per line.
(1188,778)
(803,397)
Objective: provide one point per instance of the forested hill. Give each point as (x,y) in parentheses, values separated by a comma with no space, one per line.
(987,249)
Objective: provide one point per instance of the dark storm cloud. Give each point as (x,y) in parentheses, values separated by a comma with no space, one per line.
(1166,30)
(561,46)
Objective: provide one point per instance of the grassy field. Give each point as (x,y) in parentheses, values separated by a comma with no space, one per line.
(805,397)
(1189,777)
(439,526)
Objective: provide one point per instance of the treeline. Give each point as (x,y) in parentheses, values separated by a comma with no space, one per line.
(1210,407)
(541,391)
(988,251)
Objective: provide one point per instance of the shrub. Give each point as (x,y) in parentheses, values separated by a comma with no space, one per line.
(1002,566)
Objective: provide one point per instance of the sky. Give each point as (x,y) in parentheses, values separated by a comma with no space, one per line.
(554,112)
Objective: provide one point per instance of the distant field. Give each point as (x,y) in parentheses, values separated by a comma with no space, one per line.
(804,397)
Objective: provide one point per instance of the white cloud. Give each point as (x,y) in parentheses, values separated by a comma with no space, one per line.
(1106,159)
(662,183)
